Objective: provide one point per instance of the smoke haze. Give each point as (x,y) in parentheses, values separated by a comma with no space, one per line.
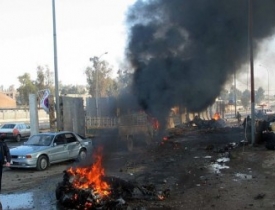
(184,51)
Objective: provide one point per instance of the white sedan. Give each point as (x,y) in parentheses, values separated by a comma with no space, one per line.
(15,131)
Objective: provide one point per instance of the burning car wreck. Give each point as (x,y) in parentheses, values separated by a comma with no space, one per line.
(88,188)
(215,122)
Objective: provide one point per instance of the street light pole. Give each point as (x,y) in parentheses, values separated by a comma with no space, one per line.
(267,87)
(267,83)
(96,83)
(96,90)
(56,70)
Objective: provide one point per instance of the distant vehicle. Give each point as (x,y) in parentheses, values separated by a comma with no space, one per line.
(15,131)
(264,113)
(44,149)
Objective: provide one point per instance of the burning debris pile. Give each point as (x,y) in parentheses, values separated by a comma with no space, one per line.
(215,125)
(88,188)
(215,122)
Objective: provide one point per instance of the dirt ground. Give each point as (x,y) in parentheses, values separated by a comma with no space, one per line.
(203,169)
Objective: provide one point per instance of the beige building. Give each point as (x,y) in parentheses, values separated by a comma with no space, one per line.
(6,101)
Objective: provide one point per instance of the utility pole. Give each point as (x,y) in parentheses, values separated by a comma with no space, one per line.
(267,83)
(250,21)
(235,97)
(268,87)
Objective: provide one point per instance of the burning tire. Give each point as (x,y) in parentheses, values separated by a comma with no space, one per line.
(42,163)
(58,192)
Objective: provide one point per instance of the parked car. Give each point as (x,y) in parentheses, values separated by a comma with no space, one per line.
(15,131)
(44,149)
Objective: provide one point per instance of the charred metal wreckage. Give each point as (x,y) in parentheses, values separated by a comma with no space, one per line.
(88,188)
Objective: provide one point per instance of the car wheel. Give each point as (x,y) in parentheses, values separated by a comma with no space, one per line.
(82,154)
(42,163)
(18,138)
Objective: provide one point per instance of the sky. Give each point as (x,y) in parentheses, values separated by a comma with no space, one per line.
(84,29)
(264,69)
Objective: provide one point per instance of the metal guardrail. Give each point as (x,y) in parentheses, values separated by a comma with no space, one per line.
(101,122)
(125,120)
(133,119)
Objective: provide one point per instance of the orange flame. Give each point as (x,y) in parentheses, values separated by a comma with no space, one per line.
(165,138)
(91,177)
(161,197)
(216,116)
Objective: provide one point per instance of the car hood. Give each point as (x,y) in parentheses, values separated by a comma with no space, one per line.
(26,149)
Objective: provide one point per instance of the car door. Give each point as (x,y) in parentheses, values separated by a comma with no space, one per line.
(73,145)
(59,151)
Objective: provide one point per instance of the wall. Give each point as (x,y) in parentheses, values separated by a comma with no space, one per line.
(20,115)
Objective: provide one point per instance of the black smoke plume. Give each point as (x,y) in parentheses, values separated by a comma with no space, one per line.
(184,51)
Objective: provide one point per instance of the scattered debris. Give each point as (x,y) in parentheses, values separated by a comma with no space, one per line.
(243,176)
(259,196)
(223,160)
(216,167)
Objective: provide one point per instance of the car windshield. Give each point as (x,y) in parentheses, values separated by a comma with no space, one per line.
(40,140)
(8,126)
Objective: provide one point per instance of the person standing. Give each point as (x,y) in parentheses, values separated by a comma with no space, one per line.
(5,158)
(239,117)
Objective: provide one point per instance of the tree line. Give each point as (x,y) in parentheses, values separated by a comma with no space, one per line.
(242,97)
(98,77)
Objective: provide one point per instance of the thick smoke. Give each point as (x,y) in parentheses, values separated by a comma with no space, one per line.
(183,51)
